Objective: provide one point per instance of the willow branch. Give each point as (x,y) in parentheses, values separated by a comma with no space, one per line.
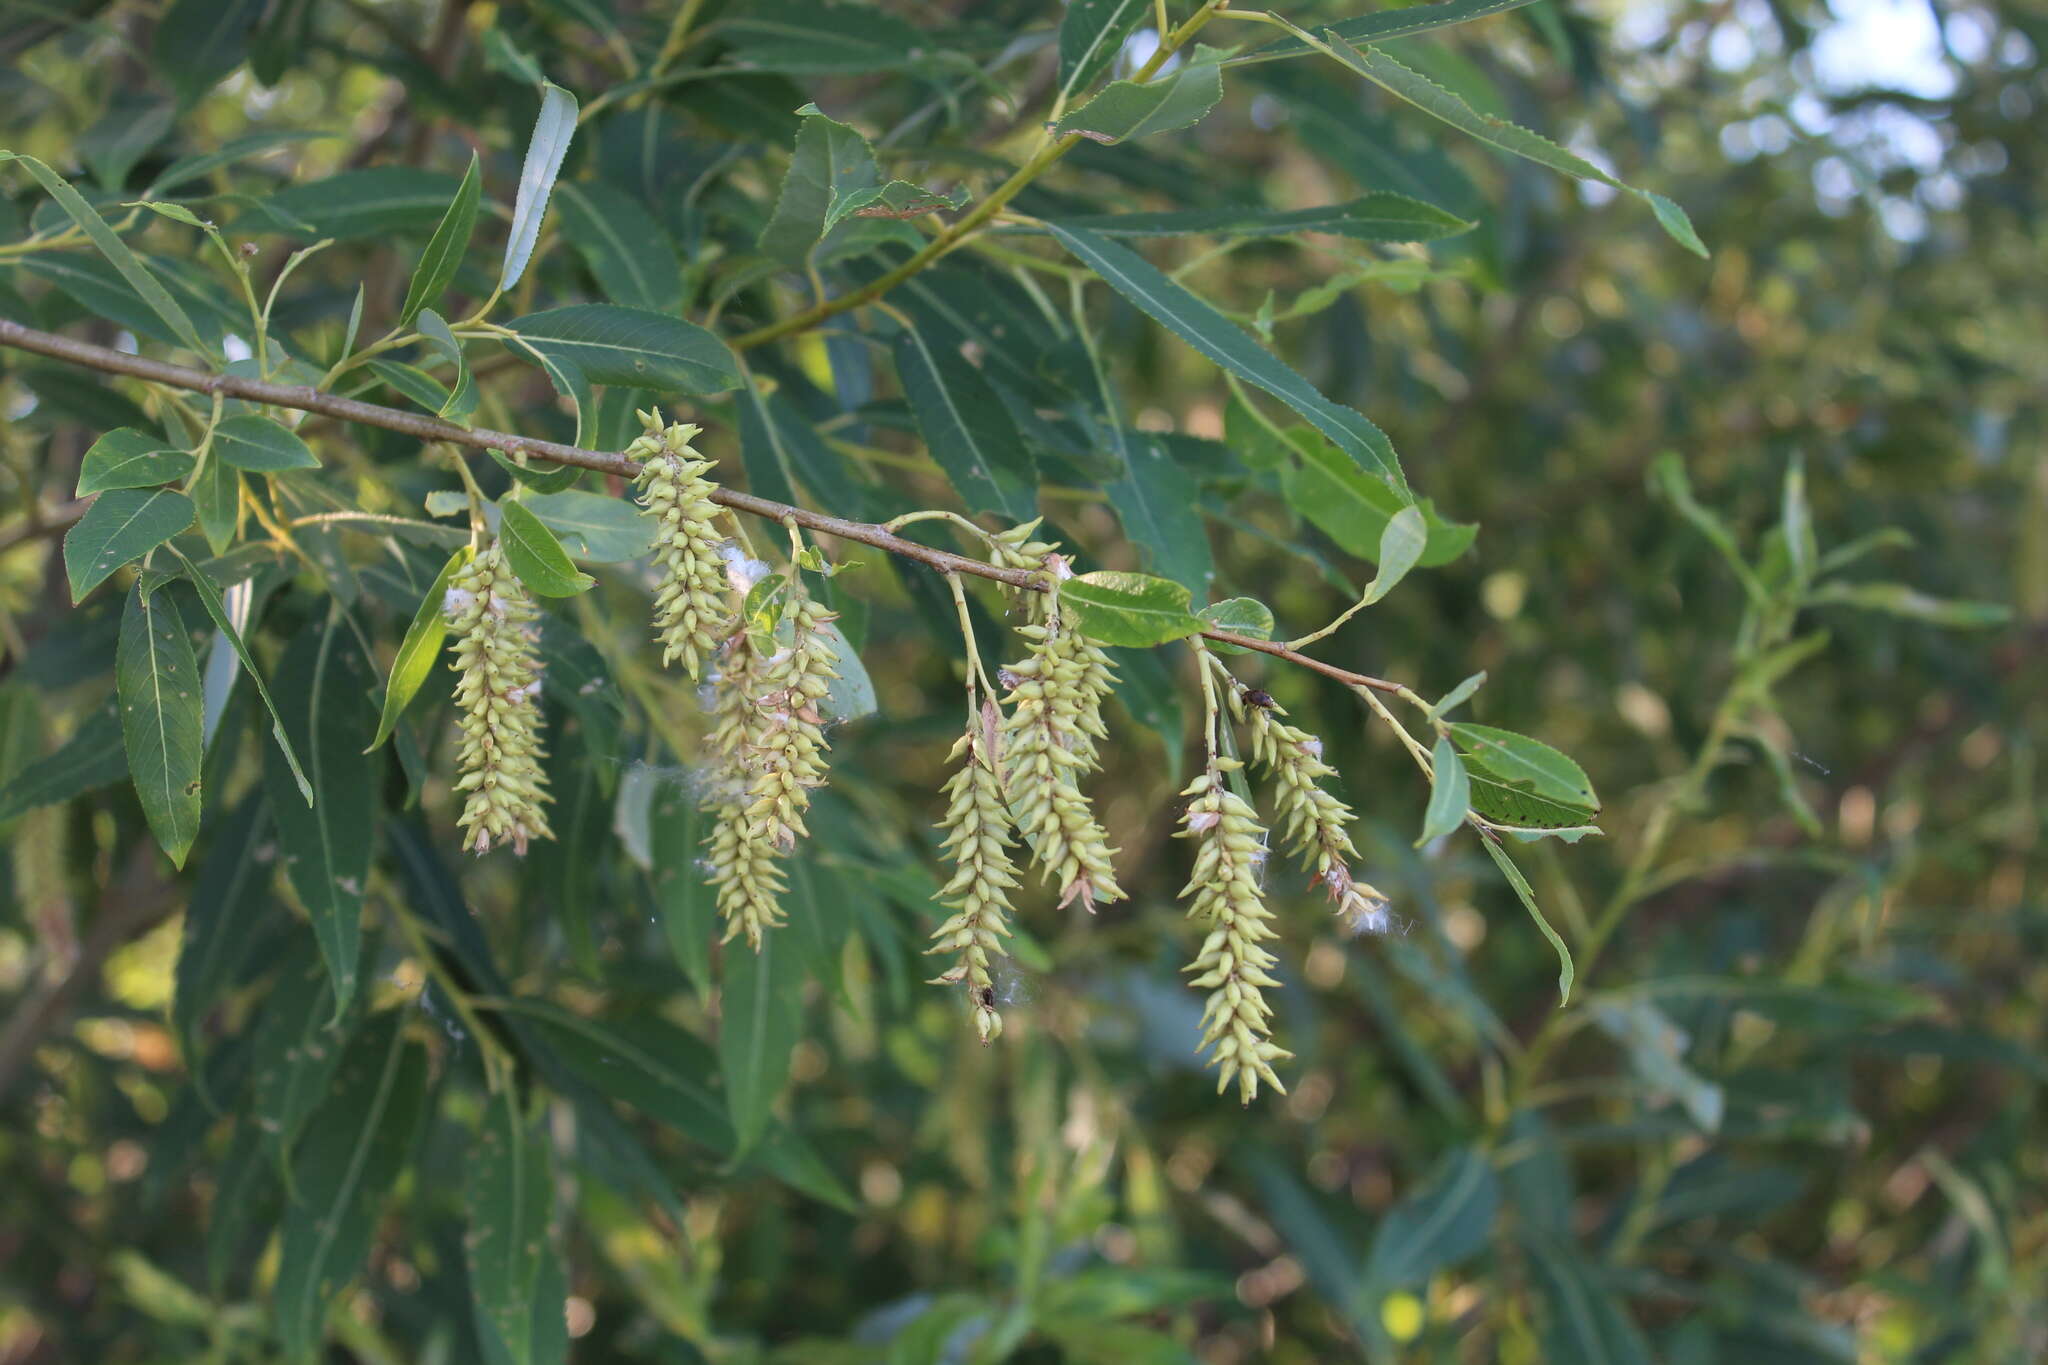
(305,399)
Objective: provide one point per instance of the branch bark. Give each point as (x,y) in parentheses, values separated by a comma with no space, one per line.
(306,399)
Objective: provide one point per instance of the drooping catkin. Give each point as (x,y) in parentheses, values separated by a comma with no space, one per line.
(1231,965)
(1048,743)
(977,827)
(693,606)
(1313,821)
(497,700)
(768,747)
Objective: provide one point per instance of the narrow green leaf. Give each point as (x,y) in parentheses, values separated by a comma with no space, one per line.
(354,1148)
(1092,33)
(1898,599)
(689,917)
(95,756)
(1159,502)
(1445,1220)
(1425,94)
(1457,696)
(1353,508)
(1377,217)
(446,248)
(968,430)
(760,1021)
(1584,1322)
(1520,809)
(1450,794)
(552,130)
(420,647)
(1215,336)
(1528,898)
(114,249)
(1130,609)
(626,248)
(1668,476)
(1524,762)
(157,681)
(462,396)
(594,527)
(221,919)
(299,1045)
(1130,109)
(209,597)
(412,383)
(261,446)
(189,168)
(509,1201)
(1388,24)
(632,347)
(127,458)
(536,556)
(120,527)
(379,201)
(327,686)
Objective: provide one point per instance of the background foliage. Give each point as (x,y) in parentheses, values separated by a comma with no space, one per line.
(1792,1111)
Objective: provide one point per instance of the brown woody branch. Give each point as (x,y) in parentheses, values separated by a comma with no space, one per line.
(306,399)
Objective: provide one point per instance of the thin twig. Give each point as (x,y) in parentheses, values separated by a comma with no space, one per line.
(305,399)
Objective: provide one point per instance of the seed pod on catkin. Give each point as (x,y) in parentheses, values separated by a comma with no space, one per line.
(768,752)
(977,828)
(1314,822)
(1048,744)
(1231,965)
(693,605)
(497,699)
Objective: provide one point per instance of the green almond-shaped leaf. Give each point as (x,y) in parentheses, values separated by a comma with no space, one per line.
(1092,33)
(1199,324)
(1457,696)
(261,446)
(114,249)
(1447,1219)
(552,130)
(1898,599)
(95,756)
(632,347)
(1132,109)
(120,527)
(1353,508)
(210,598)
(1524,762)
(594,527)
(508,1198)
(1425,94)
(1240,616)
(831,163)
(1402,542)
(127,458)
(760,1023)
(1450,794)
(216,492)
(327,685)
(626,248)
(1518,808)
(536,556)
(1527,896)
(1380,216)
(419,649)
(968,430)
(446,248)
(156,679)
(354,1148)
(1130,609)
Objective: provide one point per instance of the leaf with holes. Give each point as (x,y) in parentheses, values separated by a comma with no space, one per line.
(127,458)
(121,526)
